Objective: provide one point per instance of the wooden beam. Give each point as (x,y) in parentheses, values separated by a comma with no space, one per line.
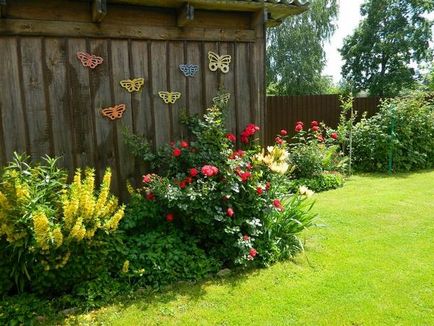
(99,10)
(74,29)
(185,15)
(3,5)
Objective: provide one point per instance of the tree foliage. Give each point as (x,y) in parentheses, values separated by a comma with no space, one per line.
(392,35)
(295,54)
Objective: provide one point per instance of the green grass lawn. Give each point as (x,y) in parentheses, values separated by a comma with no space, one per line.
(369,262)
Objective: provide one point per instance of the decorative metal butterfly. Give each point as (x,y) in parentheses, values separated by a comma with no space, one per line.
(89,60)
(114,112)
(169,97)
(189,70)
(222,99)
(132,85)
(219,62)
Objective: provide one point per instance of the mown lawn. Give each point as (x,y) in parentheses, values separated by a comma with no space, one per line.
(369,262)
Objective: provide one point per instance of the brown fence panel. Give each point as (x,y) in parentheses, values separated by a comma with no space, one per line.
(283,112)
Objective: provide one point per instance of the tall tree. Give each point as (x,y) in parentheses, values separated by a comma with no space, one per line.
(392,35)
(295,54)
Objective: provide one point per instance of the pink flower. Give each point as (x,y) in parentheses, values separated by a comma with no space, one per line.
(246,238)
(230,212)
(334,135)
(283,132)
(253,252)
(314,123)
(320,138)
(231,137)
(169,217)
(298,128)
(176,152)
(315,128)
(147,178)
(209,170)
(259,191)
(267,185)
(184,144)
(194,172)
(278,140)
(278,204)
(236,154)
(300,123)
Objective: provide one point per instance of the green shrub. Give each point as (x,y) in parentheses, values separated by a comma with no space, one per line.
(322,182)
(402,130)
(46,225)
(221,196)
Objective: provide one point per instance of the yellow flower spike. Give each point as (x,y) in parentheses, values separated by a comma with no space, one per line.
(40,227)
(4,202)
(112,224)
(58,237)
(125,266)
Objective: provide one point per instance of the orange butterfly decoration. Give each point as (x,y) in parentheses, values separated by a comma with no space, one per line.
(114,112)
(89,60)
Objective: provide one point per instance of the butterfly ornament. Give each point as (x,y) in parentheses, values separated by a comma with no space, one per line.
(221,99)
(89,60)
(169,97)
(114,112)
(219,62)
(189,70)
(133,85)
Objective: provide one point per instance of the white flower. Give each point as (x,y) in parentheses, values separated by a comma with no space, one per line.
(305,191)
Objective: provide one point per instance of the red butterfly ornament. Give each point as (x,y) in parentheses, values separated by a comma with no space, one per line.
(89,60)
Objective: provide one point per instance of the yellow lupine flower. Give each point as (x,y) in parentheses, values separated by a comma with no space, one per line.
(112,223)
(4,202)
(40,226)
(58,237)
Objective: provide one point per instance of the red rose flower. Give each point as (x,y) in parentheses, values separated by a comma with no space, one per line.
(194,172)
(176,152)
(150,196)
(230,212)
(244,175)
(183,184)
(147,178)
(320,138)
(298,128)
(300,123)
(259,191)
(314,123)
(267,185)
(184,144)
(231,137)
(315,128)
(209,170)
(334,135)
(188,179)
(278,204)
(253,252)
(246,238)
(169,217)
(250,130)
(283,132)
(278,140)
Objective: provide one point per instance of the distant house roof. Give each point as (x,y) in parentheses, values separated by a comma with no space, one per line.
(277,9)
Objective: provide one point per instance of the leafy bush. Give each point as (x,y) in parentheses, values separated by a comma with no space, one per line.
(221,196)
(402,130)
(322,182)
(46,225)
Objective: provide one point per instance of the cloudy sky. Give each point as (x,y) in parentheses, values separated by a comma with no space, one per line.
(348,20)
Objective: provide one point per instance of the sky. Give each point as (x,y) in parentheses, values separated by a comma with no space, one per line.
(348,20)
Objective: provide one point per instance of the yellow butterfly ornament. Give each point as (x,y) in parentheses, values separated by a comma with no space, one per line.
(219,62)
(169,97)
(132,85)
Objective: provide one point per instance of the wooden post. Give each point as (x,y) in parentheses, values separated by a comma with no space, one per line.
(3,5)
(99,10)
(185,15)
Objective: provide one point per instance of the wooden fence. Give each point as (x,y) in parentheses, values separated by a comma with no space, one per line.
(284,111)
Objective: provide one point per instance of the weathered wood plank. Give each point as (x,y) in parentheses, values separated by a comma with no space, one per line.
(101,97)
(159,83)
(210,78)
(185,15)
(121,71)
(228,84)
(195,103)
(37,109)
(178,83)
(99,10)
(80,103)
(78,29)
(242,78)
(57,90)
(11,104)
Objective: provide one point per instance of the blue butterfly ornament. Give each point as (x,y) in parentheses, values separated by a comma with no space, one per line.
(189,70)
